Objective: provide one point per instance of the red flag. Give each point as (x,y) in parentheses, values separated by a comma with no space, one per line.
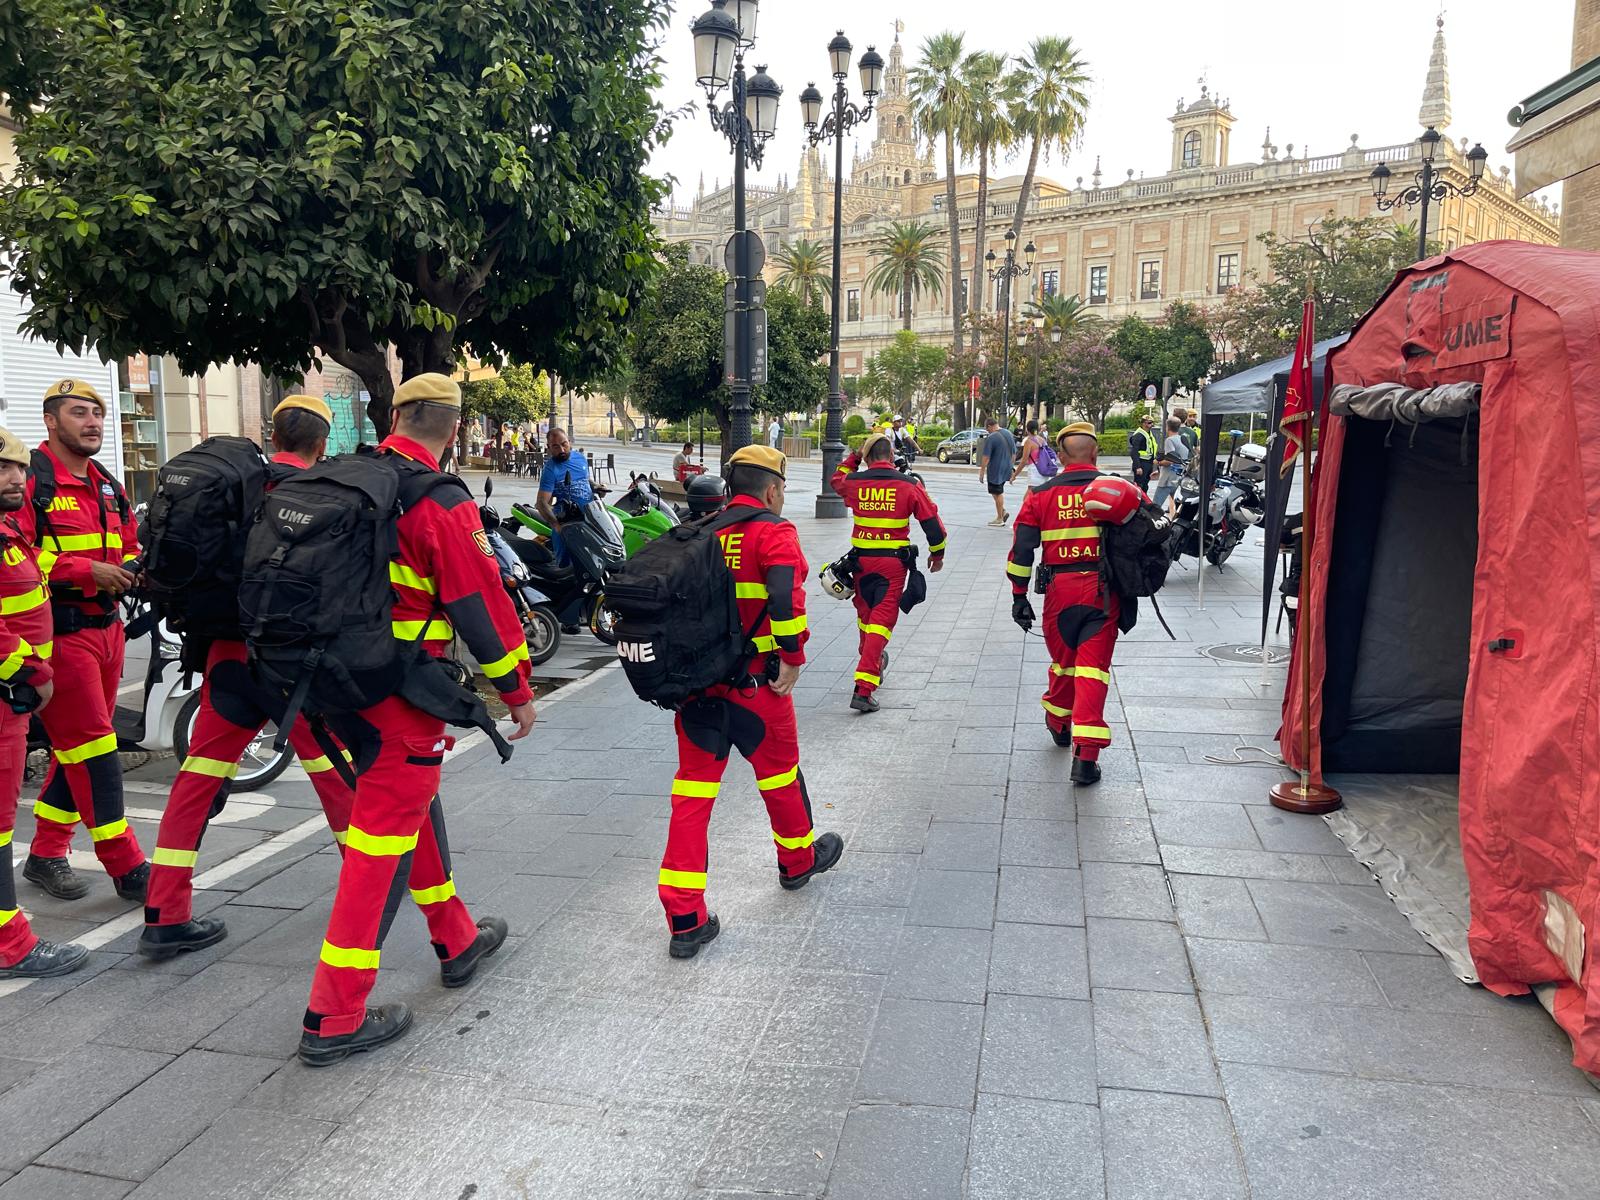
(1297,397)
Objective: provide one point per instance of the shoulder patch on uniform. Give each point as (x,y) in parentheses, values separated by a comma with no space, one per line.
(482,538)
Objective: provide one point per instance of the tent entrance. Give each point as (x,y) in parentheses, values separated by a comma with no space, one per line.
(1400,584)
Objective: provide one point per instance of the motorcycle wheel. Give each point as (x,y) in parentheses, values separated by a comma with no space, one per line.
(1217,553)
(543,633)
(259,765)
(602,621)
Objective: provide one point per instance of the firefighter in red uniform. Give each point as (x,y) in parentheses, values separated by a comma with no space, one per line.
(446,583)
(80,519)
(233,711)
(1063,516)
(884,503)
(756,716)
(25,686)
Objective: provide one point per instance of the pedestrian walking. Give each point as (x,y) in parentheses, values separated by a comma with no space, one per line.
(1028,469)
(994,466)
(775,434)
(1174,461)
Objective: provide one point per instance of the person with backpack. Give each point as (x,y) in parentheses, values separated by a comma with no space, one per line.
(754,714)
(79,518)
(1142,449)
(1037,462)
(26,685)
(884,503)
(444,583)
(1081,611)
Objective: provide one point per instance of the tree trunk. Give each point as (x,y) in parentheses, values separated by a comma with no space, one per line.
(905,299)
(955,254)
(982,232)
(1022,198)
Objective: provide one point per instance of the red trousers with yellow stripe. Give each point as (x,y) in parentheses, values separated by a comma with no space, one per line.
(396,834)
(16,938)
(761,725)
(233,711)
(1080,631)
(880,578)
(84,781)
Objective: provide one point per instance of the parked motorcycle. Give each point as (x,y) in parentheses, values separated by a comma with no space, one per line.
(1236,504)
(595,543)
(644,513)
(540,626)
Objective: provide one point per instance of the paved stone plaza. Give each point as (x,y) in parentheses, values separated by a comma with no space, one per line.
(1158,987)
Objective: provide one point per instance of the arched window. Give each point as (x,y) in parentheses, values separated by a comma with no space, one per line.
(908,177)
(1191,148)
(899,127)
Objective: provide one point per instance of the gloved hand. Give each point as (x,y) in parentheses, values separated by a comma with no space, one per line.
(1022,612)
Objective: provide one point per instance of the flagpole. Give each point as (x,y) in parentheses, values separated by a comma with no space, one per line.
(1307,795)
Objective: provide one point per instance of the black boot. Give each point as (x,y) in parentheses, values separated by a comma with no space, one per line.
(382,1025)
(47,960)
(863,702)
(458,971)
(826,850)
(1061,737)
(687,944)
(55,877)
(167,941)
(134,884)
(1084,772)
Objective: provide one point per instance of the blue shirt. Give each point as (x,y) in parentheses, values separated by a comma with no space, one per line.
(567,481)
(999,447)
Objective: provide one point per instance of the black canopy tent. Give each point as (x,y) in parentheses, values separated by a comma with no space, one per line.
(1257,390)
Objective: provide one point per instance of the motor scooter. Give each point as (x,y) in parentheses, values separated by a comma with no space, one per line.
(595,544)
(540,626)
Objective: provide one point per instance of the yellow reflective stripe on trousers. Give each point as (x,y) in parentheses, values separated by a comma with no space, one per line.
(26,602)
(435,895)
(164,857)
(111,829)
(697,788)
(82,541)
(694,880)
(1017,569)
(1091,533)
(51,813)
(1092,731)
(1058,669)
(751,591)
(883,522)
(772,782)
(790,627)
(507,663)
(1091,673)
(6,914)
(879,543)
(407,577)
(863,677)
(379,845)
(342,956)
(423,631)
(78,754)
(321,763)
(1063,713)
(214,767)
(795,843)
(882,631)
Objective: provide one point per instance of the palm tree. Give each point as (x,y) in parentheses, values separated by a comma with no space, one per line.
(938,101)
(908,264)
(1048,103)
(1066,313)
(807,270)
(986,130)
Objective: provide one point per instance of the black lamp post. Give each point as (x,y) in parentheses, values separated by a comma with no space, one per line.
(1430,185)
(1038,339)
(1008,270)
(748,121)
(844,117)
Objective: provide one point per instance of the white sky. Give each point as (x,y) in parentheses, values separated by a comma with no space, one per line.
(1313,79)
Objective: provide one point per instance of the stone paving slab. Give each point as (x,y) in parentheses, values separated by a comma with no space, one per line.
(1156,987)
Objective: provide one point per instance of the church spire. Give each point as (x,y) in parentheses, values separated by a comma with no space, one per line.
(1436,95)
(807,190)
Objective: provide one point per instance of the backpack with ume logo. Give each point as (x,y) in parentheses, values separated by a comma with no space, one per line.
(205,503)
(679,630)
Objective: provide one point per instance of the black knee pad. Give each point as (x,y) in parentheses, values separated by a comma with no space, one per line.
(872,588)
(1079,622)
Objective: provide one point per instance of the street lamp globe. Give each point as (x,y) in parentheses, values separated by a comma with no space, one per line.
(1029,251)
(1055,334)
(744,16)
(1477,159)
(1011,239)
(716,41)
(990,257)
(839,55)
(872,73)
(1429,141)
(761,96)
(1380,180)
(811,106)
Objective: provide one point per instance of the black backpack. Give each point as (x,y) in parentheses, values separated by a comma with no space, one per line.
(206,500)
(1134,556)
(679,630)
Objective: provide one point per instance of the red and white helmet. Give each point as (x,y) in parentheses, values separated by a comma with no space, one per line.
(1111,499)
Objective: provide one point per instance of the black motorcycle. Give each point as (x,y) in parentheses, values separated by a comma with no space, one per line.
(1236,505)
(541,628)
(594,543)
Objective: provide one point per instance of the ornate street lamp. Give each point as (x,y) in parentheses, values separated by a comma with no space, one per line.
(748,120)
(844,117)
(1430,184)
(1008,270)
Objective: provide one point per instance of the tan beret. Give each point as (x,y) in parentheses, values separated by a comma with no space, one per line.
(310,404)
(11,448)
(1076,429)
(764,457)
(430,386)
(74,389)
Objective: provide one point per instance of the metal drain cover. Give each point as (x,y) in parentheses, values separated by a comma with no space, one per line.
(1243,653)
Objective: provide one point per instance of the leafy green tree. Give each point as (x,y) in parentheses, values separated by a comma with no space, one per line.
(807,270)
(798,335)
(271,182)
(855,425)
(938,103)
(908,264)
(902,371)
(518,393)
(1179,347)
(1347,262)
(987,127)
(1091,377)
(1049,101)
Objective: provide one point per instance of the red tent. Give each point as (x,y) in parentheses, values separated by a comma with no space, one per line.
(1454,593)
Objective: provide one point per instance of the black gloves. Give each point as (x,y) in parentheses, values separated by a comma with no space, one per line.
(1022,612)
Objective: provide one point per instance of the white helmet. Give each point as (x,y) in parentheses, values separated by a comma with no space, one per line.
(838,580)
